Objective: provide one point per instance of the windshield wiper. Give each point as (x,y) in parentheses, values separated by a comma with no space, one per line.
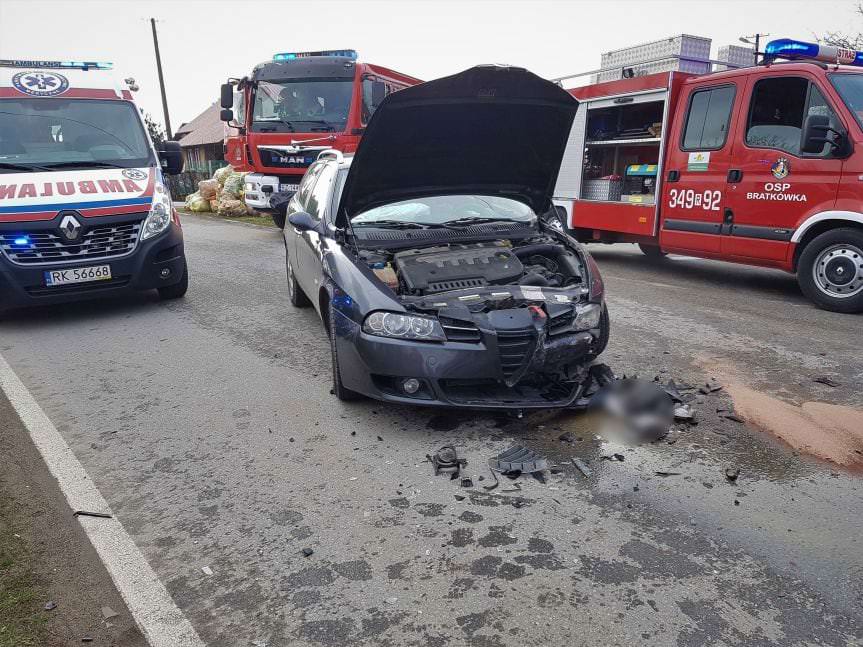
(21,167)
(84,164)
(391,224)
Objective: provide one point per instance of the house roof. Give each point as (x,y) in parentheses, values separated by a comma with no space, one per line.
(206,128)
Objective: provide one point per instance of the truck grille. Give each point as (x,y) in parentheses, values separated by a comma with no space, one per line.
(512,347)
(48,247)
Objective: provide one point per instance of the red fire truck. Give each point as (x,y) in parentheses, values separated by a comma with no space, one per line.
(760,165)
(291,108)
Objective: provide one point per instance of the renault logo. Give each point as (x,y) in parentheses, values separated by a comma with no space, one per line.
(70,228)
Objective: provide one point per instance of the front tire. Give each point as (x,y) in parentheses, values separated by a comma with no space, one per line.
(178,290)
(830,270)
(339,389)
(295,292)
(652,251)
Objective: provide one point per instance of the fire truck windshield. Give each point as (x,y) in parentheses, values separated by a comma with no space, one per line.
(850,88)
(84,133)
(302,105)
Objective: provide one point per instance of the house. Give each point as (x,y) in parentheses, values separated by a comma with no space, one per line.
(202,141)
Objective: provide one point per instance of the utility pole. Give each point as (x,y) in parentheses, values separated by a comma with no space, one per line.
(754,39)
(168,133)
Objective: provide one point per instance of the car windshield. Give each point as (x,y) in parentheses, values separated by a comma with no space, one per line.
(445,209)
(45,133)
(302,105)
(850,88)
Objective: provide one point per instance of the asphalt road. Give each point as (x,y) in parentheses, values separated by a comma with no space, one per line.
(208,426)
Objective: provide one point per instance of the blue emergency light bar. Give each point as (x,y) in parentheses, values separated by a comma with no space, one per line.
(800,50)
(341,53)
(77,65)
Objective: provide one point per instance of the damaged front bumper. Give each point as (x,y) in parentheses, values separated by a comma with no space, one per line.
(509,361)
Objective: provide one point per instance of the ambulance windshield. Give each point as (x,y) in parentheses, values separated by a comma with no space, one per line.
(302,106)
(40,134)
(850,88)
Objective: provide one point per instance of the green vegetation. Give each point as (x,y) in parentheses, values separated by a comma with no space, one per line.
(22,619)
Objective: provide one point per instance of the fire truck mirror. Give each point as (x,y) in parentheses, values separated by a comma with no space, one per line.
(226,114)
(379,92)
(227,96)
(815,130)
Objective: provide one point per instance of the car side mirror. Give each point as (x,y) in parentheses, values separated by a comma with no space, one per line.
(302,221)
(171,157)
(226,114)
(226,98)
(814,135)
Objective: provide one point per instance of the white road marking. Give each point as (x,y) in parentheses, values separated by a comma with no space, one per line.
(158,618)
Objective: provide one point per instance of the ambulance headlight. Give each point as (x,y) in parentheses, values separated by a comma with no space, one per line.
(159,218)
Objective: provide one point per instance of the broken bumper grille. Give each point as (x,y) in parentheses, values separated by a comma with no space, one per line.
(46,247)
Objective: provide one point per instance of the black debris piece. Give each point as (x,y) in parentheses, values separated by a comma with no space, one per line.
(518,459)
(86,513)
(736,502)
(584,469)
(515,488)
(614,457)
(480,478)
(731,473)
(673,392)
(50,605)
(664,474)
(566,437)
(446,461)
(489,488)
(518,503)
(556,470)
(87,639)
(353,433)
(459,497)
(539,476)
(467,482)
(635,488)
(710,387)
(379,438)
(733,417)
(826,380)
(308,552)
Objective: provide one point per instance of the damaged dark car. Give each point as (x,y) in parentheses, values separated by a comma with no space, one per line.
(435,258)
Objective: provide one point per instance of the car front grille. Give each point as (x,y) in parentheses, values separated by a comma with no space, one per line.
(45,247)
(512,347)
(458,330)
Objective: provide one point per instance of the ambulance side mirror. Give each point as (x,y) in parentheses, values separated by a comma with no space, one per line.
(226,99)
(171,157)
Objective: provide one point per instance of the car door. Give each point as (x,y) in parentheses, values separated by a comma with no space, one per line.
(309,244)
(296,204)
(773,186)
(698,163)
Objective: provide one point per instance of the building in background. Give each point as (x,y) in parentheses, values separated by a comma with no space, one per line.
(202,141)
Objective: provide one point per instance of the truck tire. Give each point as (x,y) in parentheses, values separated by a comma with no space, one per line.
(830,270)
(651,251)
(279,219)
(339,390)
(295,292)
(179,289)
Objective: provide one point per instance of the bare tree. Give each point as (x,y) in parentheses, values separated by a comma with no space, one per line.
(157,133)
(840,39)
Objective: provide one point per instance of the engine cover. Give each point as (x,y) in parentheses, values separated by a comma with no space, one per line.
(455,267)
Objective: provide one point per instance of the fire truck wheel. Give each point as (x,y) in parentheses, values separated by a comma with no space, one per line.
(295,292)
(279,219)
(178,290)
(651,251)
(830,270)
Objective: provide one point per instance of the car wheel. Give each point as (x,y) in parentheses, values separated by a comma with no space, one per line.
(604,333)
(339,390)
(830,270)
(295,292)
(651,251)
(279,219)
(178,290)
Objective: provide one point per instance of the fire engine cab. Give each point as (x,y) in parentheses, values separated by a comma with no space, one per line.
(84,211)
(293,107)
(760,165)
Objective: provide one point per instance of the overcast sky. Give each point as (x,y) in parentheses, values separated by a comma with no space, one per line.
(204,42)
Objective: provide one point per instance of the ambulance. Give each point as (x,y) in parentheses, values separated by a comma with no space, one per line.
(84,208)
(759,164)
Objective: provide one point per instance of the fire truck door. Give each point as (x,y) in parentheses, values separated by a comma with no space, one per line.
(772,185)
(695,176)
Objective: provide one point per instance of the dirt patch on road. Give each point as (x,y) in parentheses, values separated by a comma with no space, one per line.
(831,432)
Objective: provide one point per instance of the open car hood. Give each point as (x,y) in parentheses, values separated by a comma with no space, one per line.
(489,130)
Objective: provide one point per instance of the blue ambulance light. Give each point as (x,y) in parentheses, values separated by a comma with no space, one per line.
(341,53)
(77,65)
(800,50)
(21,241)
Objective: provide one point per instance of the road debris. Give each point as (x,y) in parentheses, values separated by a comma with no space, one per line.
(446,461)
(710,387)
(50,605)
(584,469)
(684,412)
(731,474)
(826,380)
(733,417)
(566,437)
(518,459)
(459,497)
(614,457)
(673,392)
(86,513)
(206,570)
(308,552)
(664,474)
(467,482)
(108,613)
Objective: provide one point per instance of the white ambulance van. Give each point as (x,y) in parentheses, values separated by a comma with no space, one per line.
(84,210)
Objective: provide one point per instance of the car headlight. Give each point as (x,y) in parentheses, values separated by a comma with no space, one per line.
(587,316)
(401,326)
(159,218)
